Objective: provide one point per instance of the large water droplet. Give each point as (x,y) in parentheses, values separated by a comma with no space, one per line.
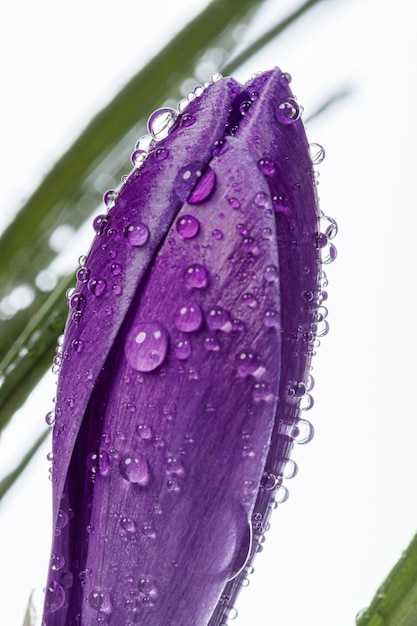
(317,153)
(218,319)
(100,601)
(187,226)
(96,286)
(182,349)
(137,234)
(287,112)
(187,178)
(161,121)
(146,346)
(266,167)
(196,276)
(188,318)
(54,597)
(135,469)
(204,188)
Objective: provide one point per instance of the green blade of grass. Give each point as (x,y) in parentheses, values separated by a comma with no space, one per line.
(395,602)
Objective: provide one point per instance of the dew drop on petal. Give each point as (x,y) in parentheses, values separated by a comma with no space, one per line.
(317,153)
(100,223)
(196,276)
(287,112)
(77,345)
(161,154)
(266,167)
(271,274)
(204,188)
(54,597)
(144,431)
(135,469)
(100,601)
(96,286)
(234,203)
(138,157)
(187,120)
(218,319)
(128,524)
(247,362)
(187,226)
(187,178)
(188,318)
(137,234)
(110,198)
(217,234)
(161,121)
(182,349)
(261,199)
(146,346)
(57,562)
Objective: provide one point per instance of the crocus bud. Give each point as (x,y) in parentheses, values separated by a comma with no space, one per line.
(185,363)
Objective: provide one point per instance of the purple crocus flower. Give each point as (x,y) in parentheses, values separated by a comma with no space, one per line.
(185,364)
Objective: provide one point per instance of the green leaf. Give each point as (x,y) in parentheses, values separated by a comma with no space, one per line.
(395,602)
(67,194)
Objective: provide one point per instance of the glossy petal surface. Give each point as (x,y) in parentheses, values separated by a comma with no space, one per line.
(179,406)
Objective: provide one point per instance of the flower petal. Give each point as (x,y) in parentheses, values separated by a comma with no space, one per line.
(126,240)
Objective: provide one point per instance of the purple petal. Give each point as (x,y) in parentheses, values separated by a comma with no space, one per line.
(186,354)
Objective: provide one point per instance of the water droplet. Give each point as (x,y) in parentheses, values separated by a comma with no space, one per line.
(77,345)
(110,198)
(245,106)
(77,302)
(271,274)
(54,597)
(247,362)
(83,274)
(261,199)
(128,524)
(100,223)
(328,254)
(287,112)
(262,392)
(50,418)
(196,276)
(234,203)
(187,120)
(100,601)
(161,154)
(187,227)
(138,157)
(266,167)
(146,346)
(187,178)
(328,226)
(99,462)
(144,431)
(249,300)
(161,122)
(285,79)
(137,234)
(96,286)
(290,469)
(218,319)
(135,469)
(144,143)
(57,562)
(188,318)
(204,187)
(302,432)
(220,147)
(116,269)
(182,349)
(217,234)
(280,203)
(317,153)
(211,344)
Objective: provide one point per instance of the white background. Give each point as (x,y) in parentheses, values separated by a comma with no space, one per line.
(352,507)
